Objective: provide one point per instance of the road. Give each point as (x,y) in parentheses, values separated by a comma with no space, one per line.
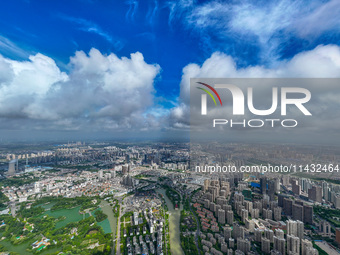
(323,245)
(198,227)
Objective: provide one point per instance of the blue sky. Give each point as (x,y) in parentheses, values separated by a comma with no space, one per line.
(169,34)
(59,28)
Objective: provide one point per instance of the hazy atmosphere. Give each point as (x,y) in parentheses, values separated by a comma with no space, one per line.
(122,68)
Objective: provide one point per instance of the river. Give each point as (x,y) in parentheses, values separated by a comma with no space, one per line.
(175,216)
(111,219)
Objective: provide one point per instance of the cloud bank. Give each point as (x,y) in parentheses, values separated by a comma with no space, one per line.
(108,93)
(321,62)
(101,92)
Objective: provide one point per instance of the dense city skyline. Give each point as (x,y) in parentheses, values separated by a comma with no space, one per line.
(166,127)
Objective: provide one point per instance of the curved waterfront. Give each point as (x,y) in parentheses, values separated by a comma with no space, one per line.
(175,216)
(111,219)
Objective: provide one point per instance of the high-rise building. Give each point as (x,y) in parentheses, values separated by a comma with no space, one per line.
(221,216)
(296,188)
(255,213)
(217,207)
(226,187)
(258,205)
(258,234)
(206,203)
(325,190)
(311,251)
(224,248)
(209,196)
(212,207)
(36,187)
(263,184)
(277,185)
(297,212)
(307,248)
(231,242)
(285,180)
(265,245)
(295,228)
(267,214)
(300,229)
(12,167)
(277,213)
(280,245)
(280,198)
(238,231)
(230,217)
(308,214)
(221,200)
(244,215)
(125,169)
(288,206)
(271,189)
(279,233)
(315,194)
(269,234)
(336,200)
(243,245)
(250,225)
(206,184)
(248,205)
(227,233)
(238,197)
(293,244)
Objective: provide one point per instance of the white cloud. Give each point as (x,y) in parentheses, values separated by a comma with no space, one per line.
(262,24)
(100,91)
(133,6)
(321,62)
(105,92)
(319,20)
(92,27)
(9,47)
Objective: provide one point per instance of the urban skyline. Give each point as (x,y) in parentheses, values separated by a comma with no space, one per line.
(165,127)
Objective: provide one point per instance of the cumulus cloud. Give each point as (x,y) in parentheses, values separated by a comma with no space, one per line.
(101,92)
(321,62)
(105,92)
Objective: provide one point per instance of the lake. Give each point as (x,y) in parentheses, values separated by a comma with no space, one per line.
(72,215)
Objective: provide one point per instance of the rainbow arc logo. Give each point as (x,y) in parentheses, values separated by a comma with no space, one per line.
(209,93)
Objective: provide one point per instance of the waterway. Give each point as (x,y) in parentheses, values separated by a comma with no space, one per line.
(71,215)
(109,225)
(175,216)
